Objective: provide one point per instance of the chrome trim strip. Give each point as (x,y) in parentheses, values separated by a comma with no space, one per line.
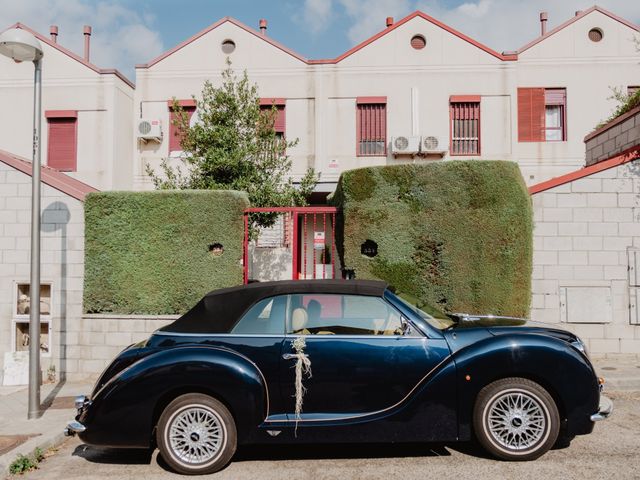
(225,335)
(368,414)
(469,317)
(604,409)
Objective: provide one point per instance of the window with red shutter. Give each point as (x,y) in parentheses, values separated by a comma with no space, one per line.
(62,144)
(542,114)
(175,135)
(465,125)
(280,123)
(371,126)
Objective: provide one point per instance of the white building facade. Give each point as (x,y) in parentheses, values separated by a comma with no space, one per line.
(449,96)
(87,128)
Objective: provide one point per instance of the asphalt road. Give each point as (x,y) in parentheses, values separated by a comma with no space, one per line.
(612,451)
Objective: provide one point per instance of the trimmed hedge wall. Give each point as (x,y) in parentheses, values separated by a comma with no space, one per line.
(149,252)
(454,234)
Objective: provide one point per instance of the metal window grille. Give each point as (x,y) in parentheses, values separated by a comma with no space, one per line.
(372,129)
(465,128)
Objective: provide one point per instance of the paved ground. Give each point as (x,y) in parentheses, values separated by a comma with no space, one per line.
(611,451)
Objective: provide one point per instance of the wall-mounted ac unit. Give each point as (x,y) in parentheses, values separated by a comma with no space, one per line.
(149,130)
(405,145)
(432,144)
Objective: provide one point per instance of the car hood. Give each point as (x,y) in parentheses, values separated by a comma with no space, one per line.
(500,325)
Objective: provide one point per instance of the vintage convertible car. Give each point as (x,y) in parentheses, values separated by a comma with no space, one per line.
(339,361)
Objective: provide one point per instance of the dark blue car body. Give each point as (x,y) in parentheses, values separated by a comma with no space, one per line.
(364,388)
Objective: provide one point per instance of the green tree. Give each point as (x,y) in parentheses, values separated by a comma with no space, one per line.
(234,146)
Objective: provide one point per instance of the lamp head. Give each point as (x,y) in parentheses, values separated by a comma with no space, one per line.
(20,45)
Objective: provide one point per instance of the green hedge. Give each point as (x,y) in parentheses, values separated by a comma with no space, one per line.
(148,252)
(455,234)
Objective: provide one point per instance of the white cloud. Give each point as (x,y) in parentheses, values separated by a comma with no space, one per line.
(316,15)
(120,38)
(507,24)
(500,24)
(369,16)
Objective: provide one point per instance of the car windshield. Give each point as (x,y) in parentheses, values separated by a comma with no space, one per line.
(430,314)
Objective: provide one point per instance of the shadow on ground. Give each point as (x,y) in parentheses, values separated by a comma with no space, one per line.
(114,456)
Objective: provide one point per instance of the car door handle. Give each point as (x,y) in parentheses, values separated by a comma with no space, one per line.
(292,356)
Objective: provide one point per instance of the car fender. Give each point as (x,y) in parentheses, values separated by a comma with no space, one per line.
(558,367)
(125,411)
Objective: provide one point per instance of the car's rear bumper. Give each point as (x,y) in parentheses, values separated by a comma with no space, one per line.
(604,409)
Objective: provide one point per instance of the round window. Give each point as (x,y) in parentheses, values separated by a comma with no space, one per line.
(595,35)
(228,46)
(418,42)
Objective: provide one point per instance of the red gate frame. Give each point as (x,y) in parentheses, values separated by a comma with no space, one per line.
(295,211)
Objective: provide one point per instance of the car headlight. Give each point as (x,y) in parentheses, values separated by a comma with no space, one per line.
(580,345)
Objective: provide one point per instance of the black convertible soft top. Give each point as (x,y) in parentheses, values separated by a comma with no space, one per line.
(220,310)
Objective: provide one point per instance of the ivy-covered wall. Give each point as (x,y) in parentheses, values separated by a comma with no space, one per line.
(156,252)
(455,234)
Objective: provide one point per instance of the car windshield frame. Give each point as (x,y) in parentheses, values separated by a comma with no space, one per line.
(436,319)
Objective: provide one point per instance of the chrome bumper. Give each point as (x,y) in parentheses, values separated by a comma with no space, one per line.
(74,428)
(604,409)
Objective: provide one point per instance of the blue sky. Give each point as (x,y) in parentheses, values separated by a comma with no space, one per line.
(126,32)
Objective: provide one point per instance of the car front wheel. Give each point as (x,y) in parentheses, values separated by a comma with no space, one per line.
(196,434)
(516,419)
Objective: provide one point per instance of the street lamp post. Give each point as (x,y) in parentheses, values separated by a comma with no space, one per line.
(22,46)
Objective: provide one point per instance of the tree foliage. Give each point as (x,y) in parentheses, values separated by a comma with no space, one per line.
(233,145)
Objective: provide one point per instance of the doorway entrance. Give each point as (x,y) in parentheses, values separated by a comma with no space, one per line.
(299,245)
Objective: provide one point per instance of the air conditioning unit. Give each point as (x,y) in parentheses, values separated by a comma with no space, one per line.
(149,130)
(405,145)
(432,144)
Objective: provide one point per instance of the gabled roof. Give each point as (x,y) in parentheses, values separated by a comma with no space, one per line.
(50,176)
(214,26)
(579,16)
(333,60)
(429,19)
(77,58)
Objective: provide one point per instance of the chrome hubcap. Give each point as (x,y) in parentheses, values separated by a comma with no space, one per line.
(196,435)
(517,421)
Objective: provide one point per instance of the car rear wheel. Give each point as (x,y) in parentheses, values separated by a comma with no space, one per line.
(196,434)
(516,419)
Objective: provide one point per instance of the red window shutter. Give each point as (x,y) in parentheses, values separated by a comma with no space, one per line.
(531,114)
(175,136)
(62,146)
(371,129)
(281,120)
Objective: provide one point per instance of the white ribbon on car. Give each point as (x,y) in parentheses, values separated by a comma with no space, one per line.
(303,367)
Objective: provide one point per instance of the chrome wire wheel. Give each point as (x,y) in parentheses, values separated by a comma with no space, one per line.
(517,420)
(196,435)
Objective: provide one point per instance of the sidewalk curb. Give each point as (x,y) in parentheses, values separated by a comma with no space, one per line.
(43,442)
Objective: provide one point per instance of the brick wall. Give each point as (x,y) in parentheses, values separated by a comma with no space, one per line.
(62,258)
(584,238)
(615,137)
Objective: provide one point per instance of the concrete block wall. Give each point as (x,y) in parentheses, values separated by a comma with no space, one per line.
(62,258)
(584,236)
(616,137)
(94,340)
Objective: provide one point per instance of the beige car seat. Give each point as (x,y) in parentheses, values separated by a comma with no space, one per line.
(299,319)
